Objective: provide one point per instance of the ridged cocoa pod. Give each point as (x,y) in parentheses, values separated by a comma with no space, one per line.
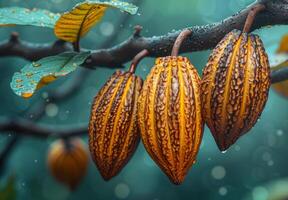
(113,130)
(68,161)
(235,87)
(169,115)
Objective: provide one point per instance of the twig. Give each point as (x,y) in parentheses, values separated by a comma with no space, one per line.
(4,155)
(251,16)
(137,59)
(179,40)
(279,75)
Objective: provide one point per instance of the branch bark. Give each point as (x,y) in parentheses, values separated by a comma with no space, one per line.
(202,38)
(29,128)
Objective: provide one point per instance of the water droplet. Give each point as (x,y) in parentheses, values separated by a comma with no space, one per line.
(122,191)
(279,132)
(45,95)
(107,28)
(218,172)
(223,191)
(237,148)
(51,110)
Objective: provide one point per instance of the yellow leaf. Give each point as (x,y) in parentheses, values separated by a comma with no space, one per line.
(73,25)
(281,88)
(279,61)
(283,48)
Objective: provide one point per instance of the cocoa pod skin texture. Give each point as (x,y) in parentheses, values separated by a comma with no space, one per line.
(169,115)
(113,130)
(235,86)
(68,161)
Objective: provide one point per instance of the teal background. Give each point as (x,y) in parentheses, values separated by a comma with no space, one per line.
(253,169)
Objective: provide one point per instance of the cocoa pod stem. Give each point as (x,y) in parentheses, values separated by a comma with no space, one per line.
(251,16)
(142,54)
(181,37)
(76,46)
(67,143)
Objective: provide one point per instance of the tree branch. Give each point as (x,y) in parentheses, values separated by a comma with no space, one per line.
(202,38)
(8,149)
(279,75)
(29,128)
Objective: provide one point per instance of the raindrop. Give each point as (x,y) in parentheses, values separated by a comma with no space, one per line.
(270,163)
(266,156)
(51,110)
(237,148)
(279,132)
(106,28)
(218,172)
(122,191)
(45,95)
(223,191)
(259,193)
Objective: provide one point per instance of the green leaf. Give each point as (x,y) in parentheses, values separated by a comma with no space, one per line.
(24,16)
(38,74)
(8,192)
(75,24)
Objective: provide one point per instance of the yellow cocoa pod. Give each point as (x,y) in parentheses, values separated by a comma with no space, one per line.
(169,115)
(68,161)
(235,86)
(113,130)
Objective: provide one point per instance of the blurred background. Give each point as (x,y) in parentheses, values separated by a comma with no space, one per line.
(255,168)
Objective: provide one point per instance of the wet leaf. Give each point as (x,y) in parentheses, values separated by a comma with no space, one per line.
(8,192)
(23,16)
(75,24)
(38,74)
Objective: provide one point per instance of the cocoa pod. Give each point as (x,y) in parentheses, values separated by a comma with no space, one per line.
(235,86)
(68,161)
(113,130)
(169,115)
